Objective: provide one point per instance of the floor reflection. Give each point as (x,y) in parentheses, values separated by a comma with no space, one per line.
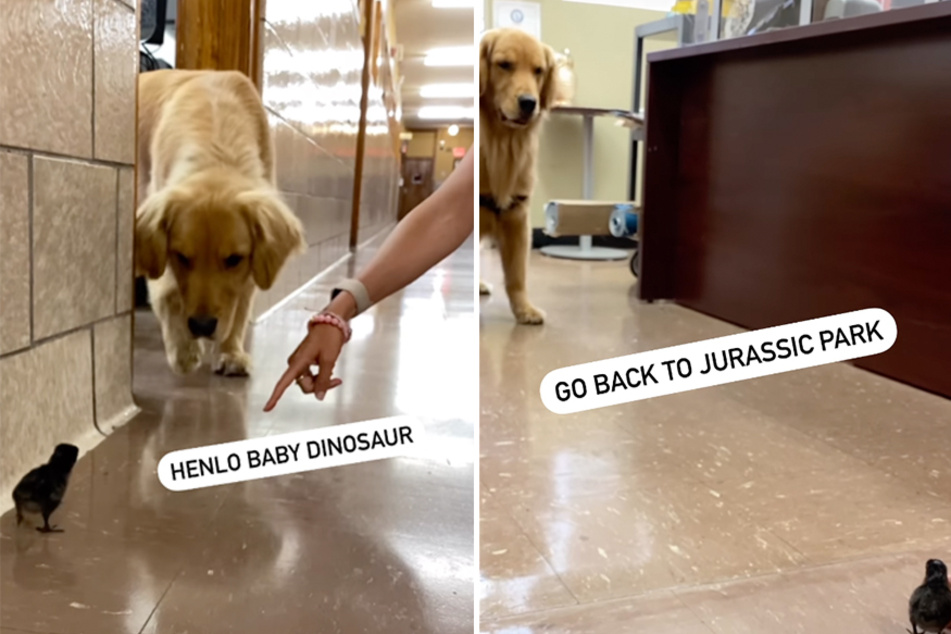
(739,508)
(384,546)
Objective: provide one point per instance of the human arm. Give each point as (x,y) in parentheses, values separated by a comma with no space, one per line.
(429,233)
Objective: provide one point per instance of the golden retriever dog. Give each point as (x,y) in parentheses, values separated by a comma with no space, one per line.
(211,226)
(517,87)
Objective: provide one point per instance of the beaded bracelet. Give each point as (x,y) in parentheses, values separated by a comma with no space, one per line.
(338,322)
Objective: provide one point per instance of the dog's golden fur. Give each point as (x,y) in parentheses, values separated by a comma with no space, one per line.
(210,226)
(512,66)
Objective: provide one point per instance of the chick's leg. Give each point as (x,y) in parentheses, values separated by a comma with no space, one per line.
(46,528)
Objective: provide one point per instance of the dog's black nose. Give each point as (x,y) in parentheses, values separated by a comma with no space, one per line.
(527,105)
(202,326)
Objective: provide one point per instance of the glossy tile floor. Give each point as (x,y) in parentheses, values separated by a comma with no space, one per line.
(385,546)
(806,502)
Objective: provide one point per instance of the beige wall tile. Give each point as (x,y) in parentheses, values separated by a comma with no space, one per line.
(117,66)
(125,281)
(46,61)
(309,265)
(74,244)
(263,300)
(58,375)
(112,350)
(14,252)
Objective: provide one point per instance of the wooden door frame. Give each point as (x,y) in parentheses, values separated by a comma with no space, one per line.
(400,190)
(369,21)
(221,35)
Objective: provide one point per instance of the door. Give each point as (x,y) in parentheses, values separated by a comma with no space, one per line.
(417,183)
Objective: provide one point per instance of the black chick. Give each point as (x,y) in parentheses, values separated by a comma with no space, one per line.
(930,605)
(42,489)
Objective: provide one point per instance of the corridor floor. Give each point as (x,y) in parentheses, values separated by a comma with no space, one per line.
(384,546)
(804,502)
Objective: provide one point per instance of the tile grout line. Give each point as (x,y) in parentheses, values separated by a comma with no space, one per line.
(683,588)
(558,576)
(708,626)
(181,570)
(538,550)
(806,561)
(62,334)
(844,453)
(160,599)
(92,359)
(795,431)
(49,154)
(805,436)
(118,211)
(92,110)
(31,200)
(21,630)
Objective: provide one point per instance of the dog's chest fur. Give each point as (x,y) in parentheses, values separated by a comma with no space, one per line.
(506,160)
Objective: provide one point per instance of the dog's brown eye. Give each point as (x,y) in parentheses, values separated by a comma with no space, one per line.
(185,262)
(505,65)
(232,261)
(539,70)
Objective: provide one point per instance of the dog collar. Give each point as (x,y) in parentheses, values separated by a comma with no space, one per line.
(489,203)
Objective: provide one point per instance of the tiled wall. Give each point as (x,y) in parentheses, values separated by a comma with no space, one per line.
(67,147)
(313,64)
(379,191)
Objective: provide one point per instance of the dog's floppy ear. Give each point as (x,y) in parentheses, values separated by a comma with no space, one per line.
(485,59)
(277,234)
(152,220)
(551,87)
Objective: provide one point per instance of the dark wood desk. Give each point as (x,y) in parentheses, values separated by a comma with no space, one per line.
(807,172)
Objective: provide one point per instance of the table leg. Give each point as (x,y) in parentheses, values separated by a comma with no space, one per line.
(716,20)
(585,250)
(588,185)
(805,12)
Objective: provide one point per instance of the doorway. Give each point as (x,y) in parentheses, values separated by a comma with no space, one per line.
(416,185)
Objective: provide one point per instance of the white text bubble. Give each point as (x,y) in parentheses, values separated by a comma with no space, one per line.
(271,456)
(717,361)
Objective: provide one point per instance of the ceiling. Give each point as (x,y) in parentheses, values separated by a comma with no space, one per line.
(419,28)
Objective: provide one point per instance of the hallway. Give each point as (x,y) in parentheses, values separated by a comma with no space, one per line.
(804,502)
(384,546)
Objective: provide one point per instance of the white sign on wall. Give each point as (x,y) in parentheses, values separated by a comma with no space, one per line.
(526,16)
(649,5)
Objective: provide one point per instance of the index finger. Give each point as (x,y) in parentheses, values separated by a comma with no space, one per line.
(283,383)
(293,371)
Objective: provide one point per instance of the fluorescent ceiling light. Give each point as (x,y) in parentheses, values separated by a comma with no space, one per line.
(445,113)
(453,4)
(450,56)
(447,91)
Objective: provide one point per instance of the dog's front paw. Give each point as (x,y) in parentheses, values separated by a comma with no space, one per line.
(529,315)
(484,289)
(236,363)
(186,359)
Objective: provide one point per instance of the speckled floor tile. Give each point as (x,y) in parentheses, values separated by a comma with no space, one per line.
(385,546)
(802,502)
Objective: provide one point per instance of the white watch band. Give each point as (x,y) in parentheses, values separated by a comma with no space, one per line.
(357,290)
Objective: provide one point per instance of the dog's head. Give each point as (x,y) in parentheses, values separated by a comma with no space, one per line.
(216,238)
(517,77)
